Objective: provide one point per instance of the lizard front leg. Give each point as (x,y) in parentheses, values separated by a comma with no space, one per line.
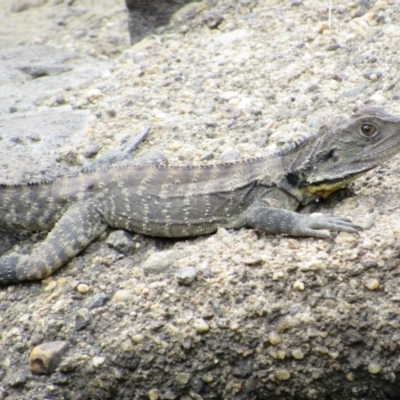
(278,220)
(79,225)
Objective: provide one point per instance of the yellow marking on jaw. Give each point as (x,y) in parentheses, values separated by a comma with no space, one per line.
(326,189)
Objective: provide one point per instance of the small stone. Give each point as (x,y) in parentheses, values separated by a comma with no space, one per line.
(90,151)
(282,374)
(374,368)
(274,338)
(22,5)
(182,378)
(96,301)
(121,241)
(82,288)
(98,361)
(138,338)
(242,369)
(201,326)
(159,262)
(17,379)
(111,113)
(354,283)
(122,295)
(321,27)
(229,154)
(82,318)
(45,358)
(372,284)
(234,325)
(350,377)
(313,332)
(153,394)
(299,286)
(93,94)
(186,276)
(127,346)
(344,237)
(297,354)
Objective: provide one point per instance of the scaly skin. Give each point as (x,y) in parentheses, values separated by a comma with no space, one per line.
(148,196)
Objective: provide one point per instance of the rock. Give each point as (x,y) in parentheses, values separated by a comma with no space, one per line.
(82,318)
(372,284)
(23,5)
(186,276)
(201,326)
(45,358)
(374,368)
(274,338)
(98,361)
(158,263)
(242,370)
(17,379)
(122,295)
(229,154)
(153,394)
(96,301)
(299,286)
(282,374)
(90,151)
(182,378)
(121,241)
(82,288)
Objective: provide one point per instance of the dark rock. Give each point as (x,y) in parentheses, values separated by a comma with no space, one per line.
(45,358)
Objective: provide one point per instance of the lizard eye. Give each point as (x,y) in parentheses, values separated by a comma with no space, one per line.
(368,131)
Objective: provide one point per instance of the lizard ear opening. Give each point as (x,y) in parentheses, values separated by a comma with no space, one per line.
(333,156)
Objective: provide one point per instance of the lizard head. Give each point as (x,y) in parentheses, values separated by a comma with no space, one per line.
(342,150)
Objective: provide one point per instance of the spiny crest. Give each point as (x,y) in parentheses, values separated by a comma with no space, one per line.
(294,145)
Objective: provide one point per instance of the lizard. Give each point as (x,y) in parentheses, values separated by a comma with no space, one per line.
(151,197)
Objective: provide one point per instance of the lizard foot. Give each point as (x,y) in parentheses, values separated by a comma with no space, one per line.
(319,224)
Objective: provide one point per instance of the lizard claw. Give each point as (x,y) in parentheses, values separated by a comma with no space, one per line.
(318,224)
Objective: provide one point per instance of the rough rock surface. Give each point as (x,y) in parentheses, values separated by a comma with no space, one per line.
(266,317)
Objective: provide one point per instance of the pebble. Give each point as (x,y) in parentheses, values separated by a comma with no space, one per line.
(297,354)
(90,151)
(127,346)
(158,263)
(182,378)
(45,358)
(201,326)
(93,94)
(282,374)
(138,338)
(96,301)
(299,286)
(82,288)
(153,394)
(122,295)
(372,284)
(186,276)
(82,318)
(98,361)
(374,368)
(274,338)
(230,154)
(321,27)
(121,241)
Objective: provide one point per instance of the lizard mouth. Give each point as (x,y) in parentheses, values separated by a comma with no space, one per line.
(325,188)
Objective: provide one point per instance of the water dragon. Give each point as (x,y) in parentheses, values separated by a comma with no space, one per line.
(149,196)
